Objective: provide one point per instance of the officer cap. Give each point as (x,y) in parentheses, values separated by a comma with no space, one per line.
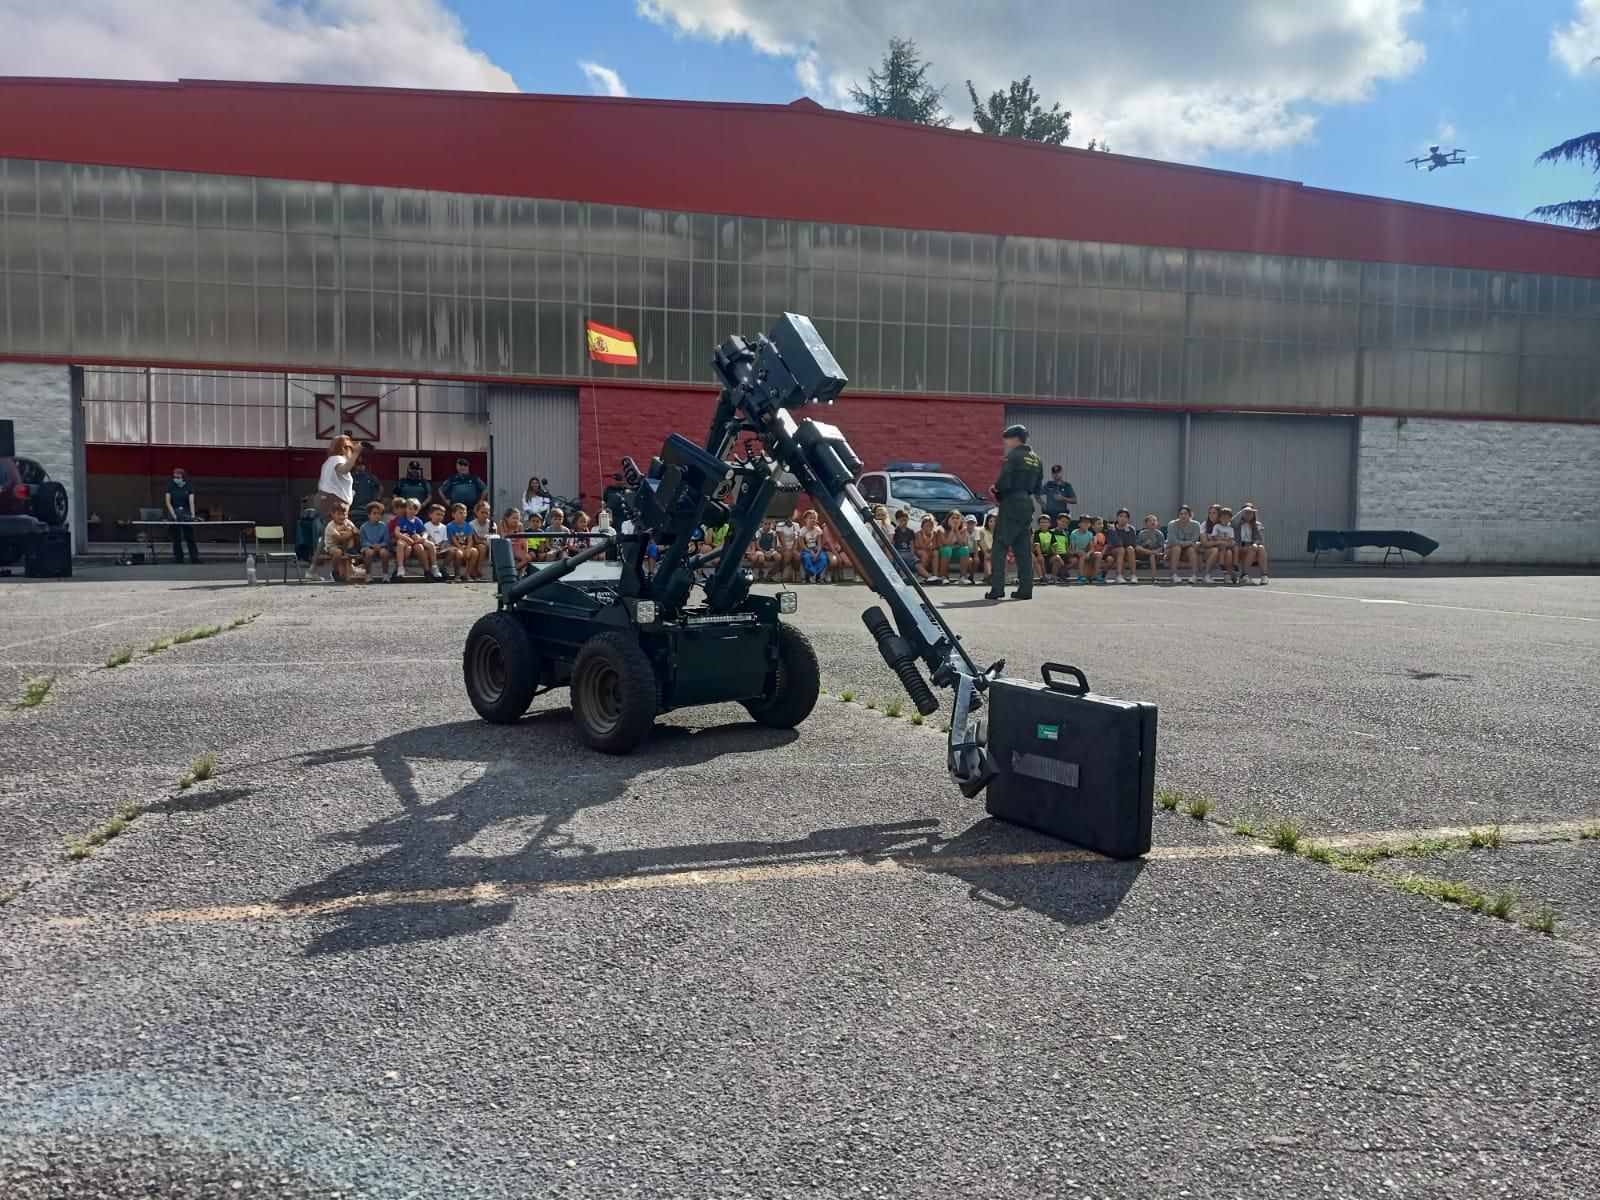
(1016,431)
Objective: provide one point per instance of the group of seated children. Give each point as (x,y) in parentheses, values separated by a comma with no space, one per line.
(809,551)
(1090,551)
(533,542)
(380,548)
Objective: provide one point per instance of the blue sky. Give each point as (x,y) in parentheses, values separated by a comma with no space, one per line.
(1335,93)
(1487,73)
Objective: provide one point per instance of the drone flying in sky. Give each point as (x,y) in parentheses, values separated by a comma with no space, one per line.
(1436,158)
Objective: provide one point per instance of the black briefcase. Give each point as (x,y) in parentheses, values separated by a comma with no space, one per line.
(1077,766)
(47,555)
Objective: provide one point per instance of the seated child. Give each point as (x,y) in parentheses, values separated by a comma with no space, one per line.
(376,542)
(523,551)
(339,540)
(468,554)
(444,552)
(1083,552)
(762,554)
(1045,560)
(905,543)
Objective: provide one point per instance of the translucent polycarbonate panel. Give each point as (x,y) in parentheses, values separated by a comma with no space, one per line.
(103,260)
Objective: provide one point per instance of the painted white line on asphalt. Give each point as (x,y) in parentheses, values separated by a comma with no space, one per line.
(160,612)
(843,866)
(1499,612)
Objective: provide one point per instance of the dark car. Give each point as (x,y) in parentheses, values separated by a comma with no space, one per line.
(30,501)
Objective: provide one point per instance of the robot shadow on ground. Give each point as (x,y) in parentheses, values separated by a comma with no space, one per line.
(497,799)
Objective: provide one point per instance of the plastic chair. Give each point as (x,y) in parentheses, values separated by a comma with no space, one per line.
(284,555)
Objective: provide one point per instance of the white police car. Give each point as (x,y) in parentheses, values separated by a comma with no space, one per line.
(922,487)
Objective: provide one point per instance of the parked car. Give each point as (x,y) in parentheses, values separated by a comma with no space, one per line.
(922,487)
(30,501)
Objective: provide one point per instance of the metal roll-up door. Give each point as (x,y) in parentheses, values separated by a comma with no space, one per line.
(533,431)
(1295,469)
(1113,459)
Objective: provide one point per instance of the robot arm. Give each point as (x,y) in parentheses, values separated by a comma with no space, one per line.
(763,383)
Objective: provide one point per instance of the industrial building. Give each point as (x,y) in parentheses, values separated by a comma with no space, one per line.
(222,275)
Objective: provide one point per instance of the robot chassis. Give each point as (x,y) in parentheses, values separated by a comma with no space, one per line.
(628,642)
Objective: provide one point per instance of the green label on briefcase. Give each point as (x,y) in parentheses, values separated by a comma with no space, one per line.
(1049,733)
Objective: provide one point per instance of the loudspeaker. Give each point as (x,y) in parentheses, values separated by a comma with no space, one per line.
(48,555)
(8,440)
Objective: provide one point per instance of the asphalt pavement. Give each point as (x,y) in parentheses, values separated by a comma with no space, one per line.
(389,950)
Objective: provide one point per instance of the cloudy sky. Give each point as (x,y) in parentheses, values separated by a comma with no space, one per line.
(1336,93)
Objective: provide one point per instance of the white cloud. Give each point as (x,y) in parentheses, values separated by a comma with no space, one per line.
(412,43)
(1150,76)
(603,81)
(1447,135)
(1577,44)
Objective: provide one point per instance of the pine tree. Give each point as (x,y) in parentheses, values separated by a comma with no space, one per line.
(1585,214)
(899,88)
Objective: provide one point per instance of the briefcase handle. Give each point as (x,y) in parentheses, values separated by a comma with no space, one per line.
(1062,685)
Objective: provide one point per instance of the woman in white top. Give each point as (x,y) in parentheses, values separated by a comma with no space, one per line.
(534,501)
(334,483)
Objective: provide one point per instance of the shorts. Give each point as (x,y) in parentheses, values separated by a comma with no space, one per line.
(909,557)
(325,502)
(954,553)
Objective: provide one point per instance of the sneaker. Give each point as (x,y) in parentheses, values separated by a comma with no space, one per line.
(1100,579)
(398,576)
(437,574)
(1263,579)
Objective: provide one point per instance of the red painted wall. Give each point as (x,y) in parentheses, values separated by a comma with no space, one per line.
(823,166)
(963,435)
(258,462)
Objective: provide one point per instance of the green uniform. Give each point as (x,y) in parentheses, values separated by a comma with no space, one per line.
(1021,479)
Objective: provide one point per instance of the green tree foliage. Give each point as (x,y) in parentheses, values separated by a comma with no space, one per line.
(1585,214)
(899,88)
(1017,113)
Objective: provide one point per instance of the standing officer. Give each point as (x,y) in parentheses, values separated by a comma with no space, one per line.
(1021,478)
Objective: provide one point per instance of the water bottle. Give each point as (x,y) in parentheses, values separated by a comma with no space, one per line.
(250,568)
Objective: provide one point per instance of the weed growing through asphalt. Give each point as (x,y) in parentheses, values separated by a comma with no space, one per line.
(198,633)
(1286,834)
(1199,806)
(82,847)
(847,695)
(944,726)
(1500,904)
(1244,827)
(1451,891)
(157,646)
(870,702)
(1317,853)
(1543,921)
(918,719)
(34,690)
(1591,834)
(1168,798)
(119,657)
(893,708)
(1484,839)
(204,767)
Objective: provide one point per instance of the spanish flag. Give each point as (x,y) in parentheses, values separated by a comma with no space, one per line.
(609,345)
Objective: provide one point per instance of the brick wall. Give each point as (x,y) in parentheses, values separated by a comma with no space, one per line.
(37,399)
(962,435)
(1486,491)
